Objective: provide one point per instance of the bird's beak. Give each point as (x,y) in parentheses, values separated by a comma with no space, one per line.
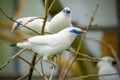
(114,61)
(83,31)
(13,28)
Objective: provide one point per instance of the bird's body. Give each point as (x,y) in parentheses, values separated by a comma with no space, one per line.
(105,67)
(59,21)
(34,24)
(46,45)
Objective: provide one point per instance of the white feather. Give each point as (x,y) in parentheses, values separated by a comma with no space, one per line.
(59,21)
(46,45)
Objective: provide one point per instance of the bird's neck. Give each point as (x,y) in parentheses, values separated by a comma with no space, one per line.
(68,36)
(58,23)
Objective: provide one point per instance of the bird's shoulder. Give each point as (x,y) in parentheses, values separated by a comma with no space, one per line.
(42,39)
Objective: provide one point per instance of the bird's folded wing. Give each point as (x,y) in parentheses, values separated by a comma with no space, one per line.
(41,40)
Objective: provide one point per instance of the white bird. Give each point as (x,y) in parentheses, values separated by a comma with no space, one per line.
(105,67)
(59,21)
(53,44)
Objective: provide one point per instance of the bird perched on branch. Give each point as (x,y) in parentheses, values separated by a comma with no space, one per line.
(105,68)
(52,44)
(59,21)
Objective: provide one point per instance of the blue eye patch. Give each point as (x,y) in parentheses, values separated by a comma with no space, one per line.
(75,31)
(18,24)
(67,11)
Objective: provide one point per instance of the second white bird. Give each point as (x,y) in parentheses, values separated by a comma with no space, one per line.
(59,21)
(105,68)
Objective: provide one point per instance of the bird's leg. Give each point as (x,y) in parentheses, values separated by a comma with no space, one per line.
(54,57)
(70,49)
(46,60)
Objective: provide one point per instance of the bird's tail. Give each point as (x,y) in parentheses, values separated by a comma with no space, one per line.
(13,45)
(24,45)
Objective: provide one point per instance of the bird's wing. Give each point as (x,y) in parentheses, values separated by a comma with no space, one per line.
(42,40)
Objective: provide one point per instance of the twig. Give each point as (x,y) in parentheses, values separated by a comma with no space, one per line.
(52,69)
(9,37)
(83,36)
(42,67)
(91,75)
(115,55)
(111,48)
(92,58)
(23,77)
(45,17)
(47,10)
(33,64)
(52,73)
(18,8)
(83,59)
(24,60)
(51,5)
(33,20)
(7,62)
(91,20)
(10,18)
(5,25)
(34,68)
(38,60)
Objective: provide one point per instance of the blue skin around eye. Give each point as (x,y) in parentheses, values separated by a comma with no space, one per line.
(68,11)
(75,31)
(18,24)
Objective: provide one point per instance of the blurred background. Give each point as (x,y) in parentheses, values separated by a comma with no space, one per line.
(105,28)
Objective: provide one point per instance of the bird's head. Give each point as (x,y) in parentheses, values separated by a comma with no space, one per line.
(66,10)
(105,60)
(16,25)
(72,30)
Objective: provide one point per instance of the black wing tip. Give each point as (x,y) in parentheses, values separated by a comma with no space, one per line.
(13,45)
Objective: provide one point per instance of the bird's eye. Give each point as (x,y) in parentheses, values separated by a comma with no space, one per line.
(18,24)
(68,11)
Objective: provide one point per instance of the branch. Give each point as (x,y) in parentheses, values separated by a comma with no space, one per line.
(92,75)
(52,73)
(51,6)
(79,47)
(7,62)
(112,50)
(45,17)
(52,70)
(47,10)
(83,59)
(23,77)
(115,55)
(10,18)
(42,66)
(33,68)
(5,25)
(33,20)
(9,37)
(32,64)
